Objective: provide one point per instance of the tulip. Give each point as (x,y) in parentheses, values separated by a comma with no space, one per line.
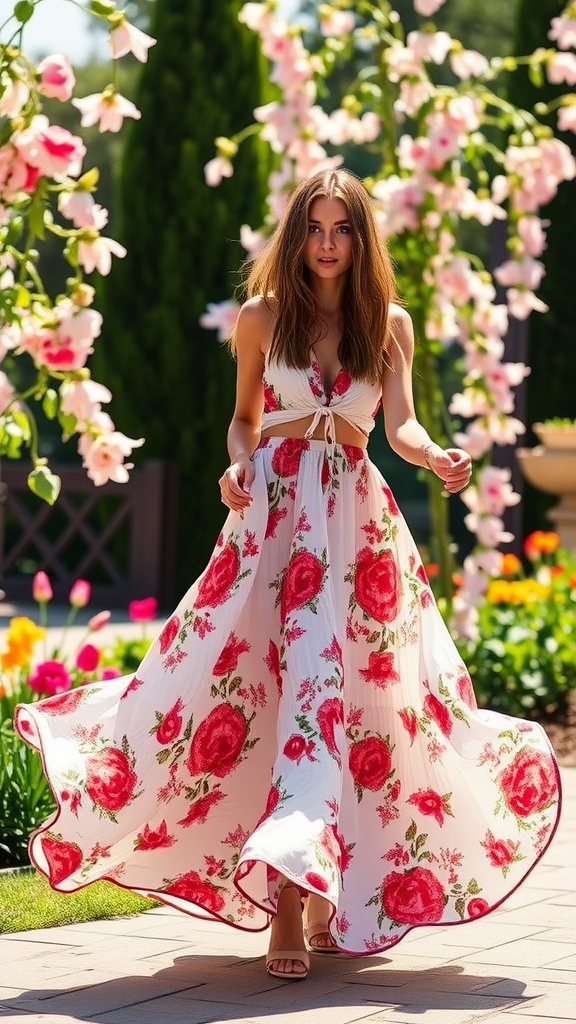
(49,678)
(143,611)
(87,658)
(98,621)
(41,588)
(80,594)
(110,672)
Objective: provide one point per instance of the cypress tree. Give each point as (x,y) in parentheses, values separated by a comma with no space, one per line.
(172,382)
(551,335)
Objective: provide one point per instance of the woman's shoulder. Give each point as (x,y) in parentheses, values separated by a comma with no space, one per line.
(399,318)
(258,310)
(255,323)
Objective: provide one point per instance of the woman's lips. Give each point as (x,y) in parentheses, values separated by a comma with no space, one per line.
(327,259)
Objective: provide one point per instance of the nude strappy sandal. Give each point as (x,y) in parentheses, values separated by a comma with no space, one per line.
(312,929)
(288,954)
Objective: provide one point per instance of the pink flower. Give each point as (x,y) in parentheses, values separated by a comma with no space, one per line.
(532,234)
(50,678)
(53,150)
(567,118)
(144,610)
(427,7)
(110,672)
(468,64)
(563,31)
(221,317)
(81,398)
(87,658)
(103,456)
(216,169)
(107,109)
(126,38)
(96,254)
(432,46)
(561,67)
(14,95)
(6,392)
(335,23)
(80,207)
(98,621)
(56,77)
(41,588)
(79,595)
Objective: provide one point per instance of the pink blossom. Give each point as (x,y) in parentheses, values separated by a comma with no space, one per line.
(563,31)
(567,118)
(56,77)
(126,38)
(532,234)
(400,199)
(468,64)
(221,317)
(15,174)
(488,529)
(216,169)
(527,272)
(414,93)
(81,398)
(87,658)
(522,302)
(103,456)
(561,67)
(110,672)
(256,16)
(6,392)
(495,490)
(335,23)
(107,109)
(144,610)
(80,207)
(341,126)
(427,7)
(456,280)
(14,95)
(53,150)
(476,440)
(41,588)
(432,46)
(472,401)
(252,241)
(96,254)
(79,595)
(98,621)
(49,678)
(402,62)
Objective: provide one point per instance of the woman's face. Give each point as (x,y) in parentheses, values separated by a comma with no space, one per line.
(328,249)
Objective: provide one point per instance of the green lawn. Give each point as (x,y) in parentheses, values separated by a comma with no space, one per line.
(27,901)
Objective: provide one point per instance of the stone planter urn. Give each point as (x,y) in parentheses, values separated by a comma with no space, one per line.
(551,467)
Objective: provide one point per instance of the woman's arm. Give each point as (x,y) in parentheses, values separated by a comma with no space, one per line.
(252,333)
(405,434)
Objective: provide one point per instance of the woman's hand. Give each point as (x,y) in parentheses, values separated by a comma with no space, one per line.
(235,484)
(452,465)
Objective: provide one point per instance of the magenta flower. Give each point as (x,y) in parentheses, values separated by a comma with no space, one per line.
(41,588)
(87,658)
(50,678)
(110,672)
(144,610)
(80,594)
(98,621)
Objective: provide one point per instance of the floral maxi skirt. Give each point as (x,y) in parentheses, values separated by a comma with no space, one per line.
(304,714)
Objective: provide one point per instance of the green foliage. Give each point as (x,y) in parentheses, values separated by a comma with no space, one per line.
(126,654)
(171,380)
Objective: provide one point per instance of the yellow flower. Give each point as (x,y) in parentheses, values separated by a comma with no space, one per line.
(22,636)
(517,591)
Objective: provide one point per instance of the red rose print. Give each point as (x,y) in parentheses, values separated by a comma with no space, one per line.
(391,501)
(63,858)
(330,715)
(421,575)
(110,781)
(354,455)
(154,839)
(193,888)
(500,852)
(410,722)
(270,400)
(62,703)
(217,742)
(333,844)
(272,660)
(272,801)
(275,516)
(439,713)
(380,669)
(302,582)
(325,476)
(465,690)
(169,634)
(228,659)
(476,907)
(416,897)
(342,383)
(316,881)
(286,458)
(429,802)
(221,573)
(529,782)
(171,724)
(134,684)
(199,810)
(370,763)
(295,747)
(377,584)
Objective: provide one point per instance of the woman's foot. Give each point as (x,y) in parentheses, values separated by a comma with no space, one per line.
(317,915)
(287,957)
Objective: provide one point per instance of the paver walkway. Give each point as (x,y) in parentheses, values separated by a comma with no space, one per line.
(517,966)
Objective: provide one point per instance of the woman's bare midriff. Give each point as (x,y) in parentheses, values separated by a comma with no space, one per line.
(345,432)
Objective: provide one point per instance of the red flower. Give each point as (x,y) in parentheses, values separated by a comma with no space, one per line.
(390,500)
(429,802)
(150,839)
(302,582)
(342,383)
(330,715)
(219,576)
(438,711)
(198,811)
(171,724)
(332,842)
(275,516)
(354,455)
(286,458)
(295,747)
(144,610)
(421,575)
(476,907)
(270,400)
(110,781)
(217,742)
(409,720)
(272,800)
(465,690)
(500,852)
(272,660)
(377,584)
(316,881)
(529,782)
(169,634)
(325,476)
(63,858)
(62,703)
(416,897)
(87,658)
(193,888)
(50,677)
(370,763)
(380,669)
(228,659)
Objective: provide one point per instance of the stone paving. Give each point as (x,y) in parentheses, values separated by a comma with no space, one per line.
(516,966)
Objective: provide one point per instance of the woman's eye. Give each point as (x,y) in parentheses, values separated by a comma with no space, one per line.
(312,228)
(344,229)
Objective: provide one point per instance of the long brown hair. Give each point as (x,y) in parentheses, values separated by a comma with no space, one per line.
(281,277)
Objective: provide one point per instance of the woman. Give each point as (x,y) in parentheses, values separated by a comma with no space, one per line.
(303,731)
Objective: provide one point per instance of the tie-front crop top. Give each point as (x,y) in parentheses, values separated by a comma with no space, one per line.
(291,393)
